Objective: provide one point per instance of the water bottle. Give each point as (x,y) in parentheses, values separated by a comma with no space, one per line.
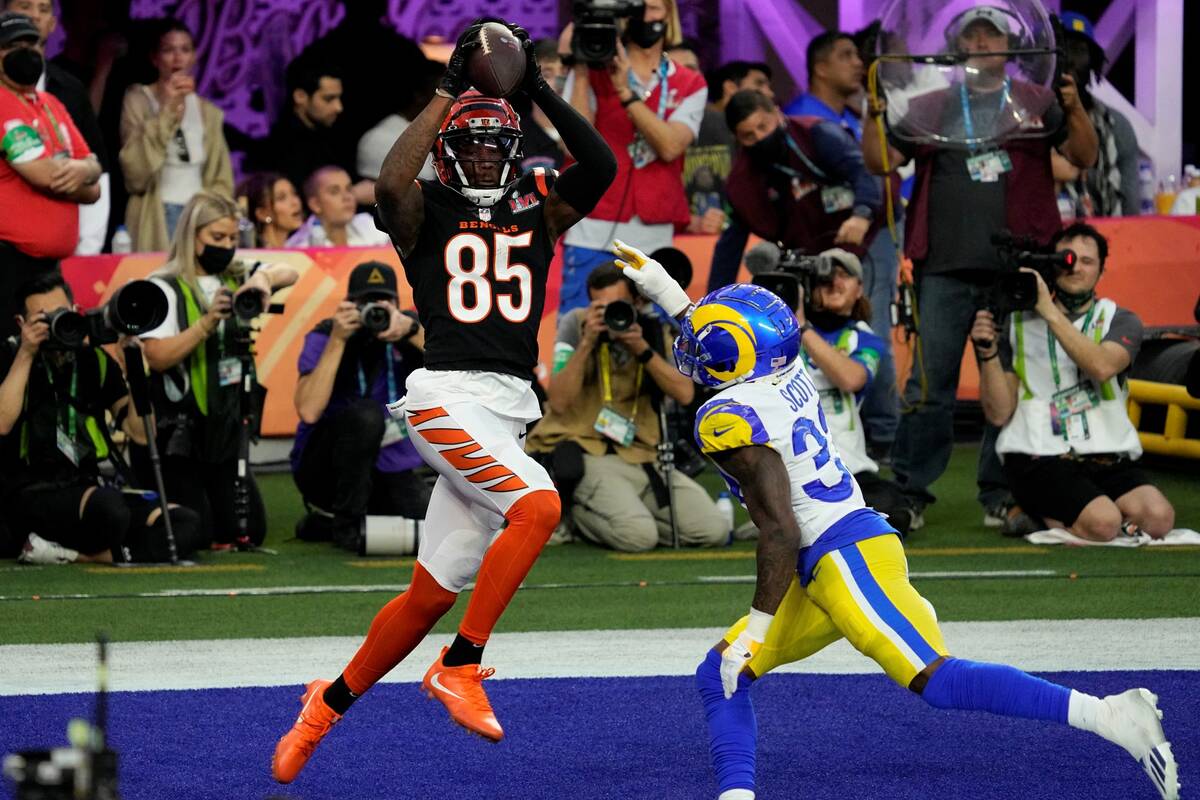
(725,507)
(1146,184)
(122,242)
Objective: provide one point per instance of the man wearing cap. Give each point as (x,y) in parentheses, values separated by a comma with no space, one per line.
(350,458)
(978,179)
(46,170)
(1110,188)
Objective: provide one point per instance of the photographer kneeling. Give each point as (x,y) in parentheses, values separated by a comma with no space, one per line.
(351,458)
(602,400)
(1056,384)
(52,405)
(196,359)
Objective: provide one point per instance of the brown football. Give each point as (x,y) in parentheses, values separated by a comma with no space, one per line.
(497,67)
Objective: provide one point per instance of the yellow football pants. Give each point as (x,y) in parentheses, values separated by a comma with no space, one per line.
(861,592)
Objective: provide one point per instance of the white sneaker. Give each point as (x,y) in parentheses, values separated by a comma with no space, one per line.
(39,551)
(1133,721)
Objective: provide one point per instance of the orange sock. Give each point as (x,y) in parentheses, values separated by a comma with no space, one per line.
(397,629)
(531,520)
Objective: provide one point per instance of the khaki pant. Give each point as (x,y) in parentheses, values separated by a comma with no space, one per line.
(615,506)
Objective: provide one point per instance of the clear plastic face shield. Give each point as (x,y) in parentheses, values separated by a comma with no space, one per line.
(964,73)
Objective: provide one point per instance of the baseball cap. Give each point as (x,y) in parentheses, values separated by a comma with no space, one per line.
(372,277)
(1071,21)
(847,260)
(990,14)
(14,27)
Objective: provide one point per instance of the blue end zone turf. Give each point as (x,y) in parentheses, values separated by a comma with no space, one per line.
(821,737)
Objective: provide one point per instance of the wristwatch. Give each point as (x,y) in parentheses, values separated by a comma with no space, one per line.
(646,355)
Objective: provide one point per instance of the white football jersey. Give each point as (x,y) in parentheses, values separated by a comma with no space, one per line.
(783,412)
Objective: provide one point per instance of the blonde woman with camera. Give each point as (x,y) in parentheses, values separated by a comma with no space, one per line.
(197,357)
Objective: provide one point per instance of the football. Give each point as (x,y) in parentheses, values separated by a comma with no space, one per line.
(497,67)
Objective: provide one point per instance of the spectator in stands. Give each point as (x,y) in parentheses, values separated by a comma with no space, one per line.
(375,144)
(684,53)
(835,73)
(648,109)
(541,145)
(52,409)
(602,399)
(1056,381)
(196,373)
(172,144)
(351,458)
(46,173)
(376,66)
(1109,188)
(961,199)
(1187,202)
(799,181)
(274,207)
(93,217)
(333,223)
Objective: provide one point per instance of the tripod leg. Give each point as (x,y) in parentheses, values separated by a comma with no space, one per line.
(139,390)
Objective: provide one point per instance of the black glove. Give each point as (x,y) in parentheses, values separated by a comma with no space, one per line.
(455,80)
(533,84)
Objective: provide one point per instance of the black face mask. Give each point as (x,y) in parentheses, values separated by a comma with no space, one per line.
(215,260)
(24,66)
(1073,301)
(646,34)
(827,320)
(771,150)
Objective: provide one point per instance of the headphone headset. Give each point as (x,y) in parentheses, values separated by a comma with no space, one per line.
(1016,41)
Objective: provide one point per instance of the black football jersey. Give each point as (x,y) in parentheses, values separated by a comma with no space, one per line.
(479,276)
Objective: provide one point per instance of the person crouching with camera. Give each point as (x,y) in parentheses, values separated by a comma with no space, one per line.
(52,412)
(351,458)
(196,360)
(608,369)
(1055,382)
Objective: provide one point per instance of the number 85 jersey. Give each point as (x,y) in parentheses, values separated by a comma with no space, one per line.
(783,412)
(479,276)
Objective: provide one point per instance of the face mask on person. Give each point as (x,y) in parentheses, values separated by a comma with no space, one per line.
(771,149)
(24,66)
(646,34)
(828,320)
(1073,301)
(215,260)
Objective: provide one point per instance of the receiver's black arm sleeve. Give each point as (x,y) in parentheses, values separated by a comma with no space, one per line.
(583,183)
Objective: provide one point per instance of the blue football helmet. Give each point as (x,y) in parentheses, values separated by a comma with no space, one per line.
(737,333)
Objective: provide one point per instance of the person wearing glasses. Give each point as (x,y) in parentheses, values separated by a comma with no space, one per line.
(172,144)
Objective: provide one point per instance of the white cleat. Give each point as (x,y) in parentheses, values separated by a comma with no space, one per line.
(37,550)
(1134,722)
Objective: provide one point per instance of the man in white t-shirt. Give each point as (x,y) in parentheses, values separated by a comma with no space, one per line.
(374,145)
(329,195)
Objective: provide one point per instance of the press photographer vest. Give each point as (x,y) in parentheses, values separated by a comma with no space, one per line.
(87,437)
(794,216)
(654,193)
(191,392)
(1030,430)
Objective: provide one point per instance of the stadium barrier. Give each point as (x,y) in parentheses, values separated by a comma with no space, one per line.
(1173,440)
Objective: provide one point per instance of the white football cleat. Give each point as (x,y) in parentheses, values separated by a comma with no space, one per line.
(1133,721)
(39,551)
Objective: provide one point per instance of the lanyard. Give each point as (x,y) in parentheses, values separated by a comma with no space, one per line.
(968,123)
(663,93)
(38,111)
(606,382)
(391,376)
(1054,349)
(70,429)
(794,146)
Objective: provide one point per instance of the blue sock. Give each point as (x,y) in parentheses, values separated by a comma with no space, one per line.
(998,688)
(732,728)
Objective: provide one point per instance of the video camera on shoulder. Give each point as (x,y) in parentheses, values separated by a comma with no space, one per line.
(595,37)
(137,307)
(1015,290)
(784,272)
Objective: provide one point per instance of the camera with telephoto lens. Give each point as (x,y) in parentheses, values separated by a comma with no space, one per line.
(619,316)
(375,317)
(793,270)
(248,305)
(1015,290)
(135,308)
(595,37)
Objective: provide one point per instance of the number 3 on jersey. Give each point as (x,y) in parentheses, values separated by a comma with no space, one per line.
(468,259)
(817,489)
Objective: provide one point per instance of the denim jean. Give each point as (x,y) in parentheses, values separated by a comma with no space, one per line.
(727,254)
(172,212)
(946,306)
(577,264)
(881,407)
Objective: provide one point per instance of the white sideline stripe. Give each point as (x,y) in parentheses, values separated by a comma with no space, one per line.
(1037,645)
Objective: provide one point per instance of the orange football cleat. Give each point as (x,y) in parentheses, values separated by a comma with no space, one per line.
(297,745)
(461,691)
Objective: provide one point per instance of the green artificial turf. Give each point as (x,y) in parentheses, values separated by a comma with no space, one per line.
(577,586)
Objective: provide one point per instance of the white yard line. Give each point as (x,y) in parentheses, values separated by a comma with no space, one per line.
(1037,645)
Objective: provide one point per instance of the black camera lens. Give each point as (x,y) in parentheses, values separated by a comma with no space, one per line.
(248,305)
(68,329)
(376,317)
(619,316)
(136,307)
